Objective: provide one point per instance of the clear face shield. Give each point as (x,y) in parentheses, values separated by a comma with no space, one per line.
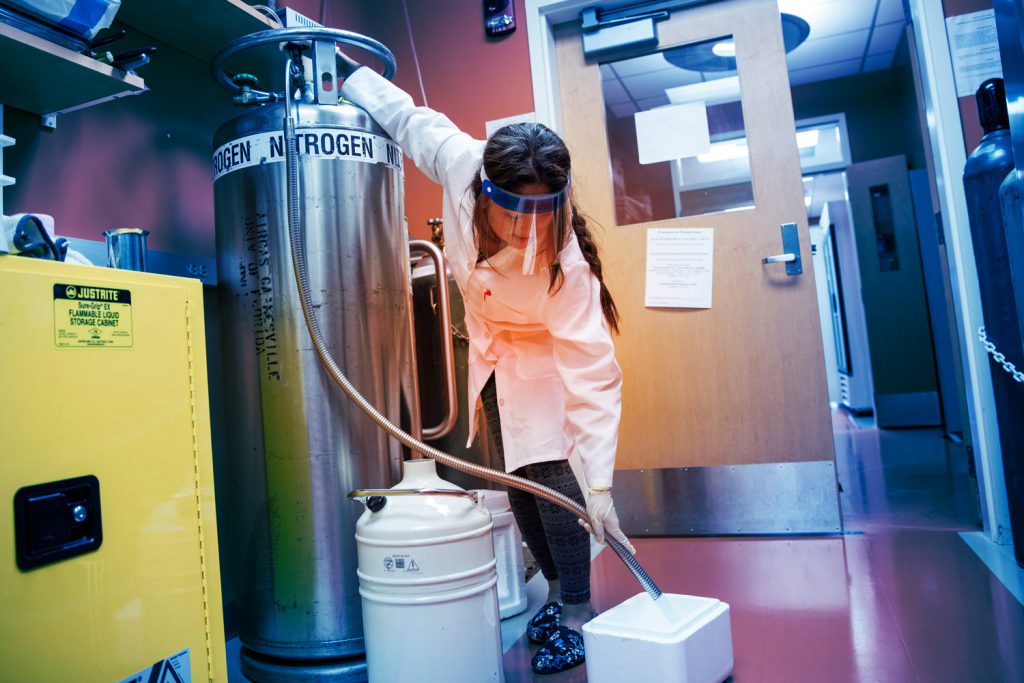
(531,223)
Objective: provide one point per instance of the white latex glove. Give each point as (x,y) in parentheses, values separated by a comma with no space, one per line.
(602,515)
(346,65)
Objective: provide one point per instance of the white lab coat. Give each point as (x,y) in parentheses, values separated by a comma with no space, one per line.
(559,386)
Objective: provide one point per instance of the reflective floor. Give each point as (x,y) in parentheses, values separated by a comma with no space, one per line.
(900,597)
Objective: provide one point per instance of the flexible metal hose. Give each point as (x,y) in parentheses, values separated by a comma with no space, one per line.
(295,238)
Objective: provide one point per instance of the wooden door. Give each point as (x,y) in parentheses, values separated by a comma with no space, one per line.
(742,382)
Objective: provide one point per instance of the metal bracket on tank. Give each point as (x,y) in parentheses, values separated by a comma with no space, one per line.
(324,40)
(325,72)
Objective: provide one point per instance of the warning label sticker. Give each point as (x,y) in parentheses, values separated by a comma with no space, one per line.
(401,563)
(319,143)
(86,316)
(174,669)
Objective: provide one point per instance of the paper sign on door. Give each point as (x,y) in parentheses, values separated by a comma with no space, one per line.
(675,132)
(679,267)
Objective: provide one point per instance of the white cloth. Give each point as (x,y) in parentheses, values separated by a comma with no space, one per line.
(84,18)
(559,386)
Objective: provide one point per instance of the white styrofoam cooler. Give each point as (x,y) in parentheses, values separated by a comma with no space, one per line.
(508,552)
(634,641)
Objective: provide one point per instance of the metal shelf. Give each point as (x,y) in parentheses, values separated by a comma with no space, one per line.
(198,27)
(42,78)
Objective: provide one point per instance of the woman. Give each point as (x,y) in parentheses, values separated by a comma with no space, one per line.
(539,319)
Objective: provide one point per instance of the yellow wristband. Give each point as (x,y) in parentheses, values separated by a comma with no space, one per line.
(599,489)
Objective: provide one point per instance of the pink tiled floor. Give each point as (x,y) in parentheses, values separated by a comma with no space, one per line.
(899,598)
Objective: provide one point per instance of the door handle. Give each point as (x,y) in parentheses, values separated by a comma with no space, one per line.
(780,258)
(791,255)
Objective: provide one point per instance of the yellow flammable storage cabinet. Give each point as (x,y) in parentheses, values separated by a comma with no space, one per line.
(107,524)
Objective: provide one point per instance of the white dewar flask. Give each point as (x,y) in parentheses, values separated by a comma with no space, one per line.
(428,583)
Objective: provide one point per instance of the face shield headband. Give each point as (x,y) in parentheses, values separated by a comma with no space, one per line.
(524,203)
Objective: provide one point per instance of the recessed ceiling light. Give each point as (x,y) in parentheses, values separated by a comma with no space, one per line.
(726,48)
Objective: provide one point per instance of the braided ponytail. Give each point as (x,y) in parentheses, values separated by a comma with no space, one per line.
(585,240)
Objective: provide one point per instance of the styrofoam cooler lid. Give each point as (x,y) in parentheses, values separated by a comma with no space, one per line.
(495,501)
(640,618)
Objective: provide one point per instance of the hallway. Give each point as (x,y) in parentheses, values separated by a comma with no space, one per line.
(899,597)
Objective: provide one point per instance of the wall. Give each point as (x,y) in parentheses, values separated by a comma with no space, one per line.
(141,161)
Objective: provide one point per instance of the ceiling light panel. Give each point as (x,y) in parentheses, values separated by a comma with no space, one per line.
(833,49)
(641,65)
(708,92)
(642,86)
(831,18)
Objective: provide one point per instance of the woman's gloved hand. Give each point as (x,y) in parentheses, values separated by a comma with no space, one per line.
(602,515)
(346,65)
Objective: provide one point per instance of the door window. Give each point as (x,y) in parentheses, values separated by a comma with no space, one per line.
(713,179)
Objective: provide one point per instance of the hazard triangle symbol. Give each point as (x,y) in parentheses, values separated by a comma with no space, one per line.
(164,672)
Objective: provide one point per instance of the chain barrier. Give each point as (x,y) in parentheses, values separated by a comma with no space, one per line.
(999,357)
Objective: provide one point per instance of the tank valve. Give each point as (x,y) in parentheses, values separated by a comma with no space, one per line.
(436,231)
(247,82)
(376,503)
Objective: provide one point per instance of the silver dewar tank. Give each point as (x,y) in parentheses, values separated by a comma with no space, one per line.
(296,444)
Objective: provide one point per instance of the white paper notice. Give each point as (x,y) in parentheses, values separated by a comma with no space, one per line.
(679,264)
(974,47)
(675,132)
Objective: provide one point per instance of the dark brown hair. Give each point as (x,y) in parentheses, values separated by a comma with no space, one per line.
(523,154)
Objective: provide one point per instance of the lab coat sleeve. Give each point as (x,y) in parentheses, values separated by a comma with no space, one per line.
(439,149)
(585,359)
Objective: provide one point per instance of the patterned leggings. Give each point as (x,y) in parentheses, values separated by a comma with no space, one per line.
(558,543)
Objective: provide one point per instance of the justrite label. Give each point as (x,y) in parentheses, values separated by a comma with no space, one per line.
(175,669)
(319,143)
(87,316)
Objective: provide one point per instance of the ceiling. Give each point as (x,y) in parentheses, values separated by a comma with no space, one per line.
(847,37)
